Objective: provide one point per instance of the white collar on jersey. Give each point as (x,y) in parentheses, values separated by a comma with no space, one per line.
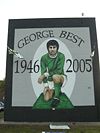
(52,56)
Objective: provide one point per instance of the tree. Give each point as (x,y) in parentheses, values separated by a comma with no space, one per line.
(2,88)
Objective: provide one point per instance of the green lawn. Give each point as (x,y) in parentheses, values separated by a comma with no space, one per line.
(1,115)
(13,128)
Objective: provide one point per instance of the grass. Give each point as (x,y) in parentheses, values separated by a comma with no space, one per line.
(85,129)
(1,115)
(19,129)
(2,88)
(8,128)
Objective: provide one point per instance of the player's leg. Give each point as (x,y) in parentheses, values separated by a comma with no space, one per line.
(48,92)
(58,81)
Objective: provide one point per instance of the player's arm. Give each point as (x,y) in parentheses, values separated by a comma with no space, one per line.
(44,73)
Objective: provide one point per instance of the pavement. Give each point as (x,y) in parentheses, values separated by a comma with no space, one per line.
(54,123)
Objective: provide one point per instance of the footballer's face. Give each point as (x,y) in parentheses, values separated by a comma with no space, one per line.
(52,50)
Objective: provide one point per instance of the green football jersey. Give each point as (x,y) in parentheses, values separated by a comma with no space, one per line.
(52,65)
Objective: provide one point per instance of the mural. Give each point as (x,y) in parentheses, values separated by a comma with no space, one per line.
(65,65)
(52,71)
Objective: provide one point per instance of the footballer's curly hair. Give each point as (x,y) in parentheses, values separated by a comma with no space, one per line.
(53,43)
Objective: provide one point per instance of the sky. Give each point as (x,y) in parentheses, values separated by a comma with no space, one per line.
(24,9)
